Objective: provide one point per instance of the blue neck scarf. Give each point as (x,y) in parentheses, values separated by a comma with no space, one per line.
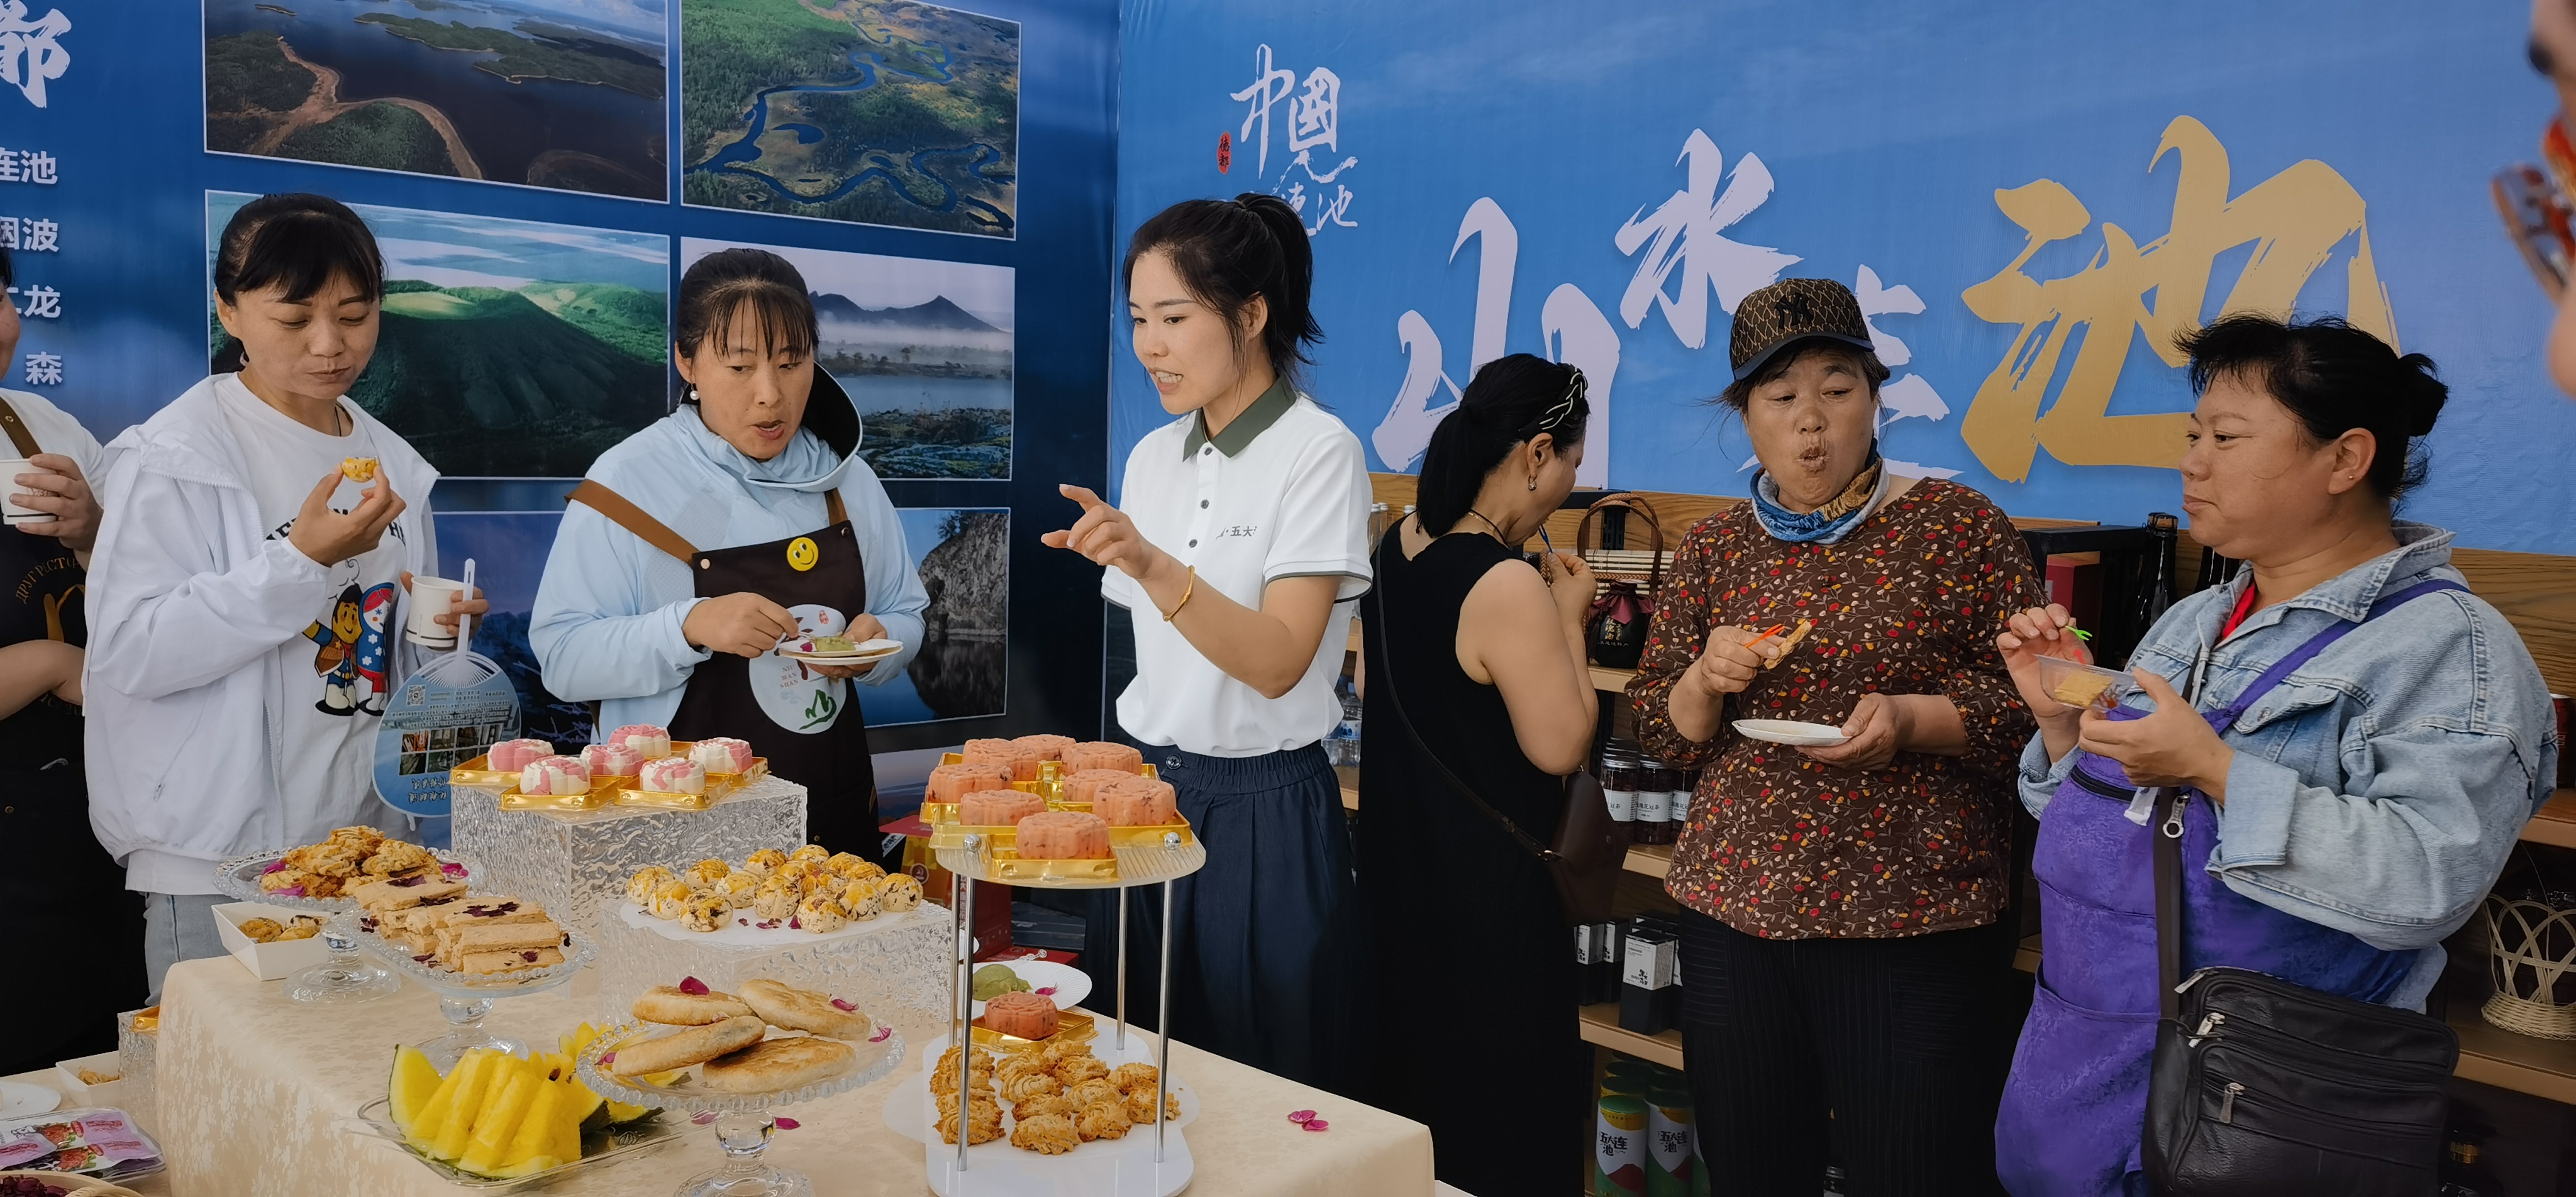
(1815,526)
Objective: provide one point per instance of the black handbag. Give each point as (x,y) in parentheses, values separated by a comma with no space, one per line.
(2262,1087)
(1590,848)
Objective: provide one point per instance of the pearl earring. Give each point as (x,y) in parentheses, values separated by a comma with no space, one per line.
(1533,482)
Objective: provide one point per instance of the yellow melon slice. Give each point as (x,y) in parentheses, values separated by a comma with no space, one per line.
(473,1077)
(516,1088)
(414,1084)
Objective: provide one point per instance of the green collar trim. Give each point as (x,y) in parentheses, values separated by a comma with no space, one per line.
(1255,420)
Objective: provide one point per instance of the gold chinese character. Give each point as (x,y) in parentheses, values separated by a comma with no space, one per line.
(2295,218)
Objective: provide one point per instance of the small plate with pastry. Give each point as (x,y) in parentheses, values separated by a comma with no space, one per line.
(1790,732)
(837,650)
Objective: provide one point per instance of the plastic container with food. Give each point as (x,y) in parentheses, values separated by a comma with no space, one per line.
(2079,685)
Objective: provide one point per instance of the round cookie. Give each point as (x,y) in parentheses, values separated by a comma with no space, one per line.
(668,1005)
(696,1045)
(778,1064)
(796,1009)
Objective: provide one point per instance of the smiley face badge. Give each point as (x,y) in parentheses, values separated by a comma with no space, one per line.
(802,554)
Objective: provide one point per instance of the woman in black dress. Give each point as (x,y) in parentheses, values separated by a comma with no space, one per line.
(1486,661)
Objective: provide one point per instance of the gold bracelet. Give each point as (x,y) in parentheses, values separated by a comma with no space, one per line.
(1191,585)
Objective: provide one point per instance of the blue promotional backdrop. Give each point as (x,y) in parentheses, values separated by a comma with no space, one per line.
(2030,200)
(534,167)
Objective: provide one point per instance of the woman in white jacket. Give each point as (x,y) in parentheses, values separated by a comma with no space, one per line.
(230,694)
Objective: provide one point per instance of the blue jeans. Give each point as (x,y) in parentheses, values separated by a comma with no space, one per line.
(177,927)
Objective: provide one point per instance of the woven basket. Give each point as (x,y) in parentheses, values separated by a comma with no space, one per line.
(77,1186)
(2533,962)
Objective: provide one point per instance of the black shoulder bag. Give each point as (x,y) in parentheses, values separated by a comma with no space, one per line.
(1590,847)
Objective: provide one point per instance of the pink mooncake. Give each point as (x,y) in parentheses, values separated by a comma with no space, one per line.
(1022,759)
(1103,754)
(1048,748)
(997,808)
(554,775)
(722,754)
(1023,1014)
(518,754)
(1136,802)
(948,783)
(611,760)
(1083,786)
(645,738)
(1063,835)
(672,775)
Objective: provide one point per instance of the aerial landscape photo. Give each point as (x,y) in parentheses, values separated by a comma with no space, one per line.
(566,94)
(964,557)
(923,347)
(509,348)
(894,112)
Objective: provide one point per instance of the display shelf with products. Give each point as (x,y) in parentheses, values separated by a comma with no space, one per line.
(1600,1028)
(2491,1055)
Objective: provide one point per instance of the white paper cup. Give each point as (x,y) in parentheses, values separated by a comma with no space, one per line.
(430,598)
(10,468)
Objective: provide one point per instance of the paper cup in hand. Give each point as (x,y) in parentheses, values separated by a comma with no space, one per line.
(10,468)
(431,598)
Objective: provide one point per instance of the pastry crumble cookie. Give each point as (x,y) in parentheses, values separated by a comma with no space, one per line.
(764,862)
(1131,1077)
(1780,652)
(1074,1070)
(775,900)
(1140,1106)
(1028,1086)
(900,893)
(737,890)
(1046,1134)
(1103,1119)
(1040,1107)
(358,469)
(706,873)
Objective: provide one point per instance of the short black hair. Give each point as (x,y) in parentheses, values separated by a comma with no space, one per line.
(8,273)
(298,242)
(721,284)
(1226,252)
(2334,378)
(1740,392)
(1510,401)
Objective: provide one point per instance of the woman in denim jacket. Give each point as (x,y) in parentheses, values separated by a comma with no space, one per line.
(2349,816)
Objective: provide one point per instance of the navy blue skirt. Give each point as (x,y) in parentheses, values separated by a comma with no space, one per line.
(1269,950)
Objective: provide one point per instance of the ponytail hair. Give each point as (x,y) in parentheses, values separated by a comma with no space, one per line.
(2333,378)
(1226,252)
(1510,401)
(297,242)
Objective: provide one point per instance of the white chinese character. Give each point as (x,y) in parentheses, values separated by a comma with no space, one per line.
(1685,231)
(1315,115)
(1269,87)
(40,167)
(1330,211)
(43,303)
(1907,396)
(9,168)
(29,55)
(8,232)
(44,369)
(43,236)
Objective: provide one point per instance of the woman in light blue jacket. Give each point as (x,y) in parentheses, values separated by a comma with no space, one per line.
(2349,800)
(698,545)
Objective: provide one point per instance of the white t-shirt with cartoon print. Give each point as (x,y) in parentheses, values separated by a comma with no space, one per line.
(337,677)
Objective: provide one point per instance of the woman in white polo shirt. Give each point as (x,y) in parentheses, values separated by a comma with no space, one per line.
(1239,553)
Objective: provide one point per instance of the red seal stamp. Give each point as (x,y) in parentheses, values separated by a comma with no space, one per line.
(1224,152)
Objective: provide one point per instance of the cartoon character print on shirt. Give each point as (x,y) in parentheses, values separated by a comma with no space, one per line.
(793,695)
(337,662)
(375,651)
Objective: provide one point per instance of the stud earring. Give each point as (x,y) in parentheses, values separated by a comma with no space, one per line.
(1533,482)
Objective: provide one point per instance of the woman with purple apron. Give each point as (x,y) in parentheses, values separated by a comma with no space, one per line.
(2357,741)
(696,546)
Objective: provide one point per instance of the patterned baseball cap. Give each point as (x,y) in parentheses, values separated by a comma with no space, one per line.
(1789,311)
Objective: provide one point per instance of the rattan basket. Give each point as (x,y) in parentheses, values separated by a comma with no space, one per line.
(77,1186)
(2532,954)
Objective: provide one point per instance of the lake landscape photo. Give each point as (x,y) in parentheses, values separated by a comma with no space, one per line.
(509,348)
(885,112)
(964,557)
(925,350)
(566,94)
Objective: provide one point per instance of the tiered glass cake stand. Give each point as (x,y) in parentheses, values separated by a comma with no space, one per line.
(1162,861)
(344,978)
(464,998)
(743,1121)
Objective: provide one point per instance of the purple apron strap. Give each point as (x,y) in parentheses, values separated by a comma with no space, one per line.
(2316,644)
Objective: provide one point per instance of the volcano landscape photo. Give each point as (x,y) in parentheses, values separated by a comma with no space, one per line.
(508,348)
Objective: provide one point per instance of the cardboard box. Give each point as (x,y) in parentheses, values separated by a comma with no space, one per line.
(267,961)
(105,1094)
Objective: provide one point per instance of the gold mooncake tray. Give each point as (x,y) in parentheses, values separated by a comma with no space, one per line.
(479,771)
(602,792)
(1049,785)
(1071,1026)
(1129,864)
(953,835)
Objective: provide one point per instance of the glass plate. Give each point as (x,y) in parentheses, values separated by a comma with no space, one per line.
(877,1058)
(238,878)
(437,980)
(598,1148)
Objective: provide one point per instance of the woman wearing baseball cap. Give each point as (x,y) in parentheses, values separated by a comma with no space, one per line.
(1843,948)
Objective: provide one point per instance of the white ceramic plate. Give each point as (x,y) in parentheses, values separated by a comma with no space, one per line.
(19,1099)
(1790,732)
(1071,984)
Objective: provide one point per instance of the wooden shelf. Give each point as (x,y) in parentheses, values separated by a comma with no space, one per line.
(2491,1055)
(1350,798)
(2556,822)
(1600,1027)
(1612,680)
(1653,860)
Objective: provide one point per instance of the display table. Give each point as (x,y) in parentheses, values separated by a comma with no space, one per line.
(250,1085)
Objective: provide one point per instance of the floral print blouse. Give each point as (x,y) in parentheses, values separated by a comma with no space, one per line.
(1910,602)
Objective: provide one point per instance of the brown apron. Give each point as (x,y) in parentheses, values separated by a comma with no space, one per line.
(820,569)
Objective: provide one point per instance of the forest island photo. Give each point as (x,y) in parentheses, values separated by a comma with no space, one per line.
(563,94)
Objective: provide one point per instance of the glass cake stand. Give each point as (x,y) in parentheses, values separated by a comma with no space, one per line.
(238,879)
(344,979)
(743,1121)
(464,998)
